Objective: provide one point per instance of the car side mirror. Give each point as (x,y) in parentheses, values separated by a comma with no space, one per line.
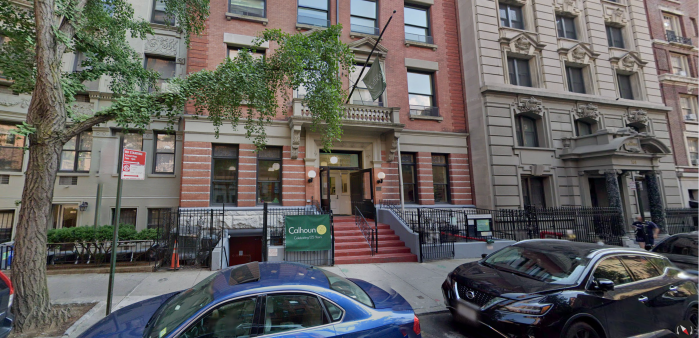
(484,256)
(603,284)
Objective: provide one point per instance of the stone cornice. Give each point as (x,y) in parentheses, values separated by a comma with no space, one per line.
(676,79)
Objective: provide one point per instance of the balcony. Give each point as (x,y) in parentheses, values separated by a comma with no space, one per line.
(312,21)
(425,113)
(673,37)
(375,117)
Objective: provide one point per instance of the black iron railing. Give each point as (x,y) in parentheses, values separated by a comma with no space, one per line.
(679,220)
(424,111)
(672,36)
(370,233)
(419,38)
(274,225)
(98,253)
(364,29)
(195,231)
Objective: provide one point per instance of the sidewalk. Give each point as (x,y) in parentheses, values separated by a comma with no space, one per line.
(419,283)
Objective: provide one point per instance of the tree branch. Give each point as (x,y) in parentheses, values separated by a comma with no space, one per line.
(80,127)
(67,28)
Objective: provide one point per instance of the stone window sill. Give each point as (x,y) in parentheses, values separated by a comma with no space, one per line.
(12,173)
(231,16)
(409,43)
(300,26)
(534,148)
(164,27)
(65,173)
(431,118)
(162,175)
(363,35)
(618,3)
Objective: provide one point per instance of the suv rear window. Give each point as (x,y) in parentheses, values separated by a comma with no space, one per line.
(347,288)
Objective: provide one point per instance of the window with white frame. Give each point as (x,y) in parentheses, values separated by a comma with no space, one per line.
(693,149)
(625,86)
(363,16)
(688,103)
(671,23)
(680,66)
(164,153)
(566,27)
(511,16)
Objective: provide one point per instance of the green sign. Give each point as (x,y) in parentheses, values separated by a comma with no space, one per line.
(482,225)
(307,233)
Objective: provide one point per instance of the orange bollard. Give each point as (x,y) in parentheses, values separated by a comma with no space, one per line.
(175,261)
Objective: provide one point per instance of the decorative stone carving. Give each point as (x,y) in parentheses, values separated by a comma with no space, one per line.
(615,15)
(522,45)
(393,148)
(530,105)
(180,61)
(148,136)
(161,45)
(23,103)
(638,116)
(295,142)
(179,137)
(82,108)
(630,62)
(587,111)
(567,7)
(578,55)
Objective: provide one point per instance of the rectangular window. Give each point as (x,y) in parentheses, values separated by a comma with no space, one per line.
(417,25)
(77,153)
(671,23)
(363,17)
(164,67)
(533,191)
(224,179)
(247,7)
(79,59)
(159,15)
(421,95)
(269,175)
(583,128)
(689,107)
(7,219)
(164,154)
(233,52)
(527,133)
(625,89)
(157,217)
(127,216)
(576,80)
(133,141)
(11,148)
(693,148)
(566,27)
(313,12)
(409,178)
(511,16)
(615,36)
(679,64)
(361,94)
(519,72)
(440,179)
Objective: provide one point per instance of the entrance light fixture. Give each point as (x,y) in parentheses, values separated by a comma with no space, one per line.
(83,206)
(333,160)
(311,176)
(381,176)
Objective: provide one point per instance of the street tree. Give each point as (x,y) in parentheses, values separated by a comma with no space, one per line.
(241,91)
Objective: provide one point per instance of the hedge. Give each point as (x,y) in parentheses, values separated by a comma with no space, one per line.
(127,232)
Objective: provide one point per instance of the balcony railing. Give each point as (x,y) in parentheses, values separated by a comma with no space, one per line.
(365,29)
(673,37)
(356,113)
(367,103)
(424,111)
(309,20)
(419,38)
(245,10)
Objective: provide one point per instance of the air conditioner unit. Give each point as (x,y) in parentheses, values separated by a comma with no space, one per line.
(694,161)
(690,117)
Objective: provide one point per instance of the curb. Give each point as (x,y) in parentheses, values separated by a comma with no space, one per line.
(84,318)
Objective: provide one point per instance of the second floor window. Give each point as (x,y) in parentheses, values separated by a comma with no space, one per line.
(566,27)
(247,7)
(615,37)
(164,154)
(420,94)
(269,175)
(519,72)
(363,19)
(680,65)
(159,15)
(625,89)
(77,153)
(689,107)
(11,148)
(224,179)
(313,12)
(511,16)
(233,52)
(527,134)
(576,80)
(164,67)
(671,23)
(361,94)
(417,25)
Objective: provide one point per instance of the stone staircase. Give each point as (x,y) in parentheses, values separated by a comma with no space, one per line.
(352,248)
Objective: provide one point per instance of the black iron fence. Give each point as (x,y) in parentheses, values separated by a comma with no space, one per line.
(273,229)
(370,233)
(7,218)
(99,253)
(679,220)
(194,232)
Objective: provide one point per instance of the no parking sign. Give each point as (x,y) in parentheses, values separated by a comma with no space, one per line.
(133,165)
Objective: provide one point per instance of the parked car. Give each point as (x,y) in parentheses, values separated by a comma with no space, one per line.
(7,293)
(555,288)
(681,249)
(266,300)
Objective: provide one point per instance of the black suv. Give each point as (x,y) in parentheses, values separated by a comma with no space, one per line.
(681,249)
(555,288)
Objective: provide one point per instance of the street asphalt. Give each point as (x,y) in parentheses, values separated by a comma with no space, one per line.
(419,283)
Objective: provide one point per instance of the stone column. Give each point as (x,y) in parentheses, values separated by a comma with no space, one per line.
(613,191)
(657,209)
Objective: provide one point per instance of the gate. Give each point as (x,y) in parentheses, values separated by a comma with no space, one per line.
(196,232)
(435,230)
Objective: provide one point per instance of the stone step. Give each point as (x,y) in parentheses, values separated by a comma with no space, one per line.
(358,237)
(364,244)
(355,232)
(367,251)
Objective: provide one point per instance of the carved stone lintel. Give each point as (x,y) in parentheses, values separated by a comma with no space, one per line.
(638,116)
(567,7)
(161,45)
(587,111)
(615,15)
(24,103)
(530,105)
(295,142)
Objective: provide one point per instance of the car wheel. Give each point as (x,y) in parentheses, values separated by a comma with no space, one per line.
(692,316)
(581,330)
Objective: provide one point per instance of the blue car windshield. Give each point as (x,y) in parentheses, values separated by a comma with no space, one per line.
(180,307)
(556,266)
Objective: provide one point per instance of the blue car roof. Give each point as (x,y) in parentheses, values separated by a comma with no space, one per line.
(253,276)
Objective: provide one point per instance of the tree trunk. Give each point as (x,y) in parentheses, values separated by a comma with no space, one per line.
(47,113)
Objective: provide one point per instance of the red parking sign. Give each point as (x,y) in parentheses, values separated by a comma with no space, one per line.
(134,165)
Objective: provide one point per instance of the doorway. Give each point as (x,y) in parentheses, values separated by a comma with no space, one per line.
(245,249)
(64,216)
(339,192)
(598,192)
(336,170)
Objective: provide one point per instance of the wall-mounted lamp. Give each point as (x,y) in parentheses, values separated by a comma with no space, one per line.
(83,206)
(381,176)
(311,176)
(333,160)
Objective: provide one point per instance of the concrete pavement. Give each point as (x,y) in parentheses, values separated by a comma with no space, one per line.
(419,283)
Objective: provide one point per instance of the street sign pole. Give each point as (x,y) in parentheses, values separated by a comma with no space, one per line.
(98,204)
(117,213)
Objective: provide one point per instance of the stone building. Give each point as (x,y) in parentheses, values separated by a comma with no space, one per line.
(421,115)
(92,157)
(673,30)
(564,106)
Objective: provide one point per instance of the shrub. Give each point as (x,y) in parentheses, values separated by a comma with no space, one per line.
(127,232)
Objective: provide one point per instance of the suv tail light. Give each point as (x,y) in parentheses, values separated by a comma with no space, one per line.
(416,325)
(12,289)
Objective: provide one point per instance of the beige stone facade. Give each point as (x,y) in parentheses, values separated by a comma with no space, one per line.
(552,143)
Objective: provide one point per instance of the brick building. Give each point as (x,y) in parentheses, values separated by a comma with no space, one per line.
(421,115)
(673,30)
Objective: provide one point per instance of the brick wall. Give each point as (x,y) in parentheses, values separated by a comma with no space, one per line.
(425,187)
(247,175)
(459,179)
(389,187)
(294,178)
(196,174)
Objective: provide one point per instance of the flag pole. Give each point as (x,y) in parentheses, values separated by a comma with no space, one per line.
(369,58)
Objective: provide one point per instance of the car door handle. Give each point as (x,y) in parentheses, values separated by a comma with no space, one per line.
(643,299)
(673,288)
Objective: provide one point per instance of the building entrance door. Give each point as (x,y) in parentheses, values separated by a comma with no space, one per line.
(64,216)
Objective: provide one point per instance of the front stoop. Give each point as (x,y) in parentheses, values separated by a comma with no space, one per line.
(352,248)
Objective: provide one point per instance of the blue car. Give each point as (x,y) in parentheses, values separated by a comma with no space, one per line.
(266,300)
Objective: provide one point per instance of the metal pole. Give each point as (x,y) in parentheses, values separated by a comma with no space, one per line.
(115,240)
(369,58)
(400,180)
(98,205)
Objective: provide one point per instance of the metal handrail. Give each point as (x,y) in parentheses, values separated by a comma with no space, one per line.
(371,235)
